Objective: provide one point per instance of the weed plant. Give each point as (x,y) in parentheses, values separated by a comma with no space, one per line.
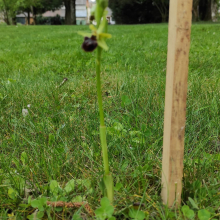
(60,135)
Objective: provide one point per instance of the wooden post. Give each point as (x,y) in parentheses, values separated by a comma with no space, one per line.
(180,17)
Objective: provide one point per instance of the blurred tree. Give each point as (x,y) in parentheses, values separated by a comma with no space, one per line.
(9,8)
(70,5)
(135,11)
(51,5)
(70,15)
(5,11)
(28,6)
(45,5)
(163,8)
(206,8)
(195,10)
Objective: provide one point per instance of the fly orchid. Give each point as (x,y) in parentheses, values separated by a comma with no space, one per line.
(97,39)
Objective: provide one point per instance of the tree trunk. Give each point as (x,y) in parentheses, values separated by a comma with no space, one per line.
(205,10)
(34,12)
(164,17)
(195,15)
(14,20)
(28,18)
(6,13)
(70,15)
(6,18)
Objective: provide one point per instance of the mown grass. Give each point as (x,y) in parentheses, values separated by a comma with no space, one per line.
(60,133)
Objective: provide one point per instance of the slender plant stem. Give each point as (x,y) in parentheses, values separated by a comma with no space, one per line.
(101,113)
(107,178)
(98,81)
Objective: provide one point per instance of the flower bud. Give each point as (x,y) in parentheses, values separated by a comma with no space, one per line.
(92,17)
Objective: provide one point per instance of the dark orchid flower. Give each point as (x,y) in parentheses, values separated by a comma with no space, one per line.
(98,36)
(89,44)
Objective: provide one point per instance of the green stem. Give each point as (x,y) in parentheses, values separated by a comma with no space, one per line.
(104,149)
(108,180)
(98,80)
(101,113)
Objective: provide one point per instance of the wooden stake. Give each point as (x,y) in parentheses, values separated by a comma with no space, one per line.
(180,17)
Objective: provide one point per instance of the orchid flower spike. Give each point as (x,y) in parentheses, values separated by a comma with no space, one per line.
(97,37)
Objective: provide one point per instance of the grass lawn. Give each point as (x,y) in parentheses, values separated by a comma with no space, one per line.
(58,138)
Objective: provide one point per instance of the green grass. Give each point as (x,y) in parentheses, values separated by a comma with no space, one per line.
(60,133)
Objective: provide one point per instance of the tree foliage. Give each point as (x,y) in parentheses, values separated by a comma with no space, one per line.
(11,7)
(139,11)
(206,8)
(148,11)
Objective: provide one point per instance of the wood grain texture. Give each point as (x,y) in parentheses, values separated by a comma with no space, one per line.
(180,17)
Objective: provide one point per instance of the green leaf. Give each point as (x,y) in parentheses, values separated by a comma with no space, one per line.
(187,212)
(16,162)
(40,214)
(33,217)
(194,205)
(103,23)
(84,182)
(43,201)
(51,139)
(54,187)
(124,166)
(58,209)
(29,200)
(203,214)
(134,133)
(105,202)
(20,183)
(78,199)
(70,186)
(125,100)
(112,218)
(105,35)
(12,193)
(87,183)
(39,203)
(84,34)
(101,42)
(24,158)
(106,210)
(118,186)
(92,27)
(76,216)
(148,133)
(35,203)
(118,126)
(41,208)
(136,214)
(25,206)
